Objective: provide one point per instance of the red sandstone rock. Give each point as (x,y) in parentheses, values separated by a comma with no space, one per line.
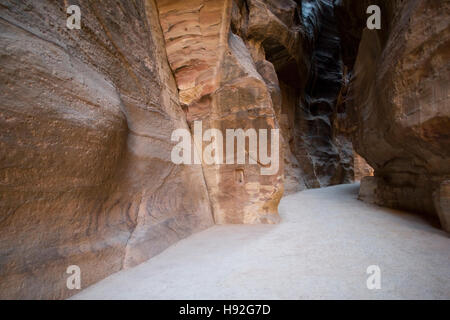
(86,117)
(399,103)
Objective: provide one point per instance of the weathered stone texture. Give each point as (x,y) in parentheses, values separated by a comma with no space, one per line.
(399,99)
(220,85)
(255,48)
(361,168)
(329,147)
(86,117)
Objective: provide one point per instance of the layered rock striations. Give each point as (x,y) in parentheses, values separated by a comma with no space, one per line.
(86,115)
(328,144)
(220,86)
(398,101)
(260,55)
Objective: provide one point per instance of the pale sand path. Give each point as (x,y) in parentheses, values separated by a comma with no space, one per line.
(321,250)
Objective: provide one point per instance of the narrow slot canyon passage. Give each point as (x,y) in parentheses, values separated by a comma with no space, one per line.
(327,238)
(225,149)
(320,250)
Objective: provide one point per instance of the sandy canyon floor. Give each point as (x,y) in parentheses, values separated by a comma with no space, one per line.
(321,250)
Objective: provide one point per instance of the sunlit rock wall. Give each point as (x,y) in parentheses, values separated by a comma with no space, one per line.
(85,171)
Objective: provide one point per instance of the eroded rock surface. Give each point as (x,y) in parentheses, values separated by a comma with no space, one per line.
(398,99)
(220,86)
(86,118)
(243,64)
(86,115)
(328,145)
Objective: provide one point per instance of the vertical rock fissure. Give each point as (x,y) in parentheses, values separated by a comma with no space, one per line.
(329,148)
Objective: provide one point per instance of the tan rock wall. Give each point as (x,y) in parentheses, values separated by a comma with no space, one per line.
(86,117)
(361,168)
(220,86)
(399,99)
(248,62)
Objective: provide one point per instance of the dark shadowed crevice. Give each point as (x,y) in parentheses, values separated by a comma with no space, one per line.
(330,149)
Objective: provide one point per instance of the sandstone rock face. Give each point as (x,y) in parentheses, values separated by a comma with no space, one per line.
(240,60)
(361,168)
(86,117)
(399,97)
(220,86)
(441,199)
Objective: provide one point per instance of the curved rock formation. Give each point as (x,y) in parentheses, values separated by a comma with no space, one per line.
(275,45)
(330,148)
(86,115)
(398,101)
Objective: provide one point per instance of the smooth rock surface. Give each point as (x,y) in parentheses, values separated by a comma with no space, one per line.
(242,64)
(320,250)
(220,86)
(86,118)
(398,100)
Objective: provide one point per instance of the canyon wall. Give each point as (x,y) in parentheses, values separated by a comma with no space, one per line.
(244,64)
(221,87)
(398,101)
(329,146)
(86,117)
